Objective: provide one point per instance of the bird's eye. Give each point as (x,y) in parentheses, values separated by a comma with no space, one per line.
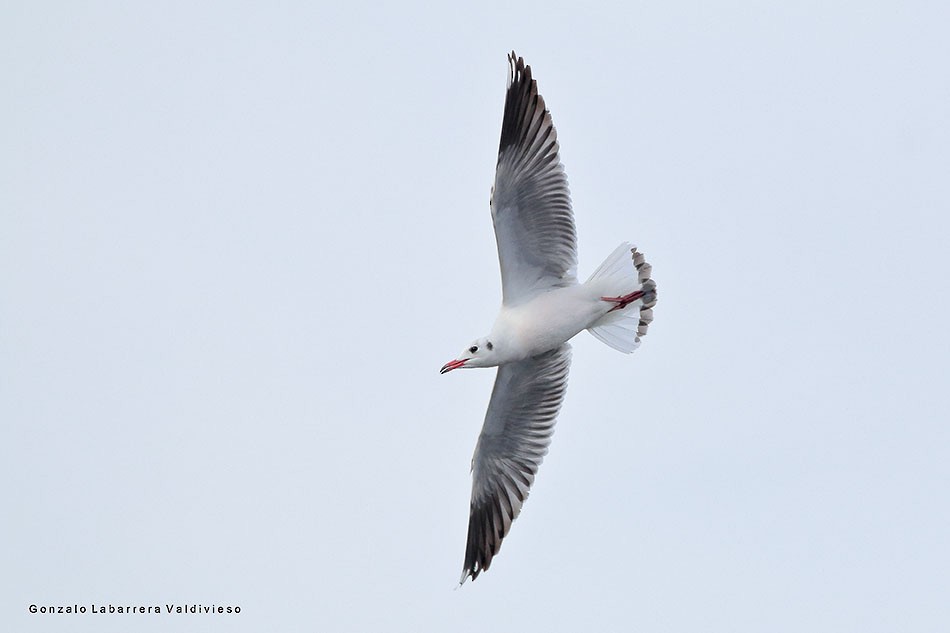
(473,349)
(489,346)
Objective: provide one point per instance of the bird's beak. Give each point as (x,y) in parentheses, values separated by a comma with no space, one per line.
(452,364)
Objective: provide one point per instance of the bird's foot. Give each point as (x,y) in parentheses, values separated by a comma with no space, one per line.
(623,301)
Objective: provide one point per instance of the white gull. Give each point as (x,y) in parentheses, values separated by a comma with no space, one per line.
(543,307)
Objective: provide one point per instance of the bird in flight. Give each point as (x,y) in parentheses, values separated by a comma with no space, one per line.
(543,307)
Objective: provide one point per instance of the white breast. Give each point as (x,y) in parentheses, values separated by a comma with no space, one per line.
(546,321)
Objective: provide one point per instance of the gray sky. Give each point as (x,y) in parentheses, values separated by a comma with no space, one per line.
(238,242)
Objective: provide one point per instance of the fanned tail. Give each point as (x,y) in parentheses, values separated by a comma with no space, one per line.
(624,272)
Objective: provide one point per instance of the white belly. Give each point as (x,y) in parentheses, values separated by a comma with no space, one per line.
(548,320)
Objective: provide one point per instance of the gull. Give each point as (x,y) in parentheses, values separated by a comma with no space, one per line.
(543,307)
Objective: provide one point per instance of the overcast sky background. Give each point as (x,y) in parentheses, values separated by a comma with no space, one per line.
(237,242)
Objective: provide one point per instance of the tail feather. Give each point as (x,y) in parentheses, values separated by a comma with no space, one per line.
(625,271)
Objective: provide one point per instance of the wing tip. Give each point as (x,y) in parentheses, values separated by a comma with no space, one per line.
(517,67)
(522,103)
(469,572)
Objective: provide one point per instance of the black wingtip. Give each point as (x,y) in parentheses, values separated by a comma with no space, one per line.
(516,64)
(522,101)
(482,544)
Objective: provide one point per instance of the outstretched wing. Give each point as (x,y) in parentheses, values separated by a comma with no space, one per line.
(515,438)
(531,204)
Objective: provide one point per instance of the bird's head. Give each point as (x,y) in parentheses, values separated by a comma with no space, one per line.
(480,353)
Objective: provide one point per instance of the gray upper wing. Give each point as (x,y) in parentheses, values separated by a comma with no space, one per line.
(515,438)
(531,204)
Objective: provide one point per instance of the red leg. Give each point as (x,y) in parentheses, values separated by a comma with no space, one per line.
(624,301)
